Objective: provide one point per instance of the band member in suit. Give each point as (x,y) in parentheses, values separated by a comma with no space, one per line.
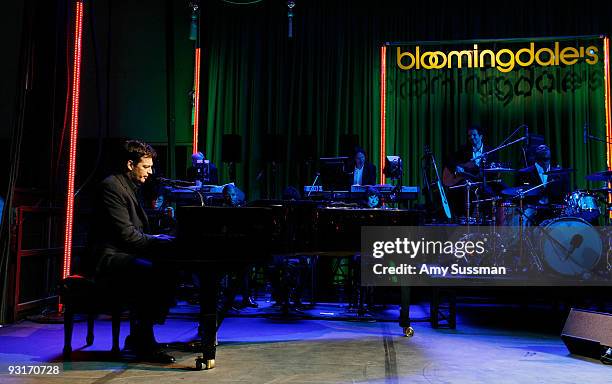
(362,171)
(541,206)
(466,164)
(126,254)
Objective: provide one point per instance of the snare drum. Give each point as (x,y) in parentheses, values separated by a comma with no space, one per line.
(570,246)
(582,204)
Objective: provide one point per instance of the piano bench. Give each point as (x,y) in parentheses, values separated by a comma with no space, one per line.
(80,295)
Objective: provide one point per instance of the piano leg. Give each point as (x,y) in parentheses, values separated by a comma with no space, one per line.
(404,320)
(208,318)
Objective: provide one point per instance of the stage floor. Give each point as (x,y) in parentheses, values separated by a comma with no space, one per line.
(273,350)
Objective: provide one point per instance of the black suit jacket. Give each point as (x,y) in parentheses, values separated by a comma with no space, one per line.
(368,177)
(555,191)
(120,226)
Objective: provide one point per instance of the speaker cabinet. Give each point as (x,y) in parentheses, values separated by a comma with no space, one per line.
(587,333)
(231,148)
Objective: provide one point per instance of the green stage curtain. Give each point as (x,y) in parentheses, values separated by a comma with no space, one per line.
(324,82)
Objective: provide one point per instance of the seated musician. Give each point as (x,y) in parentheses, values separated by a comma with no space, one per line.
(126,254)
(363,172)
(464,164)
(372,198)
(202,171)
(541,205)
(232,196)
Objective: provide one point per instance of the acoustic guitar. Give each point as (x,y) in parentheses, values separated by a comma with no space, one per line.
(450,178)
(443,198)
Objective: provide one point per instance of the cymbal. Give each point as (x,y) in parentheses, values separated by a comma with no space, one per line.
(600,176)
(602,190)
(494,198)
(559,171)
(499,169)
(516,191)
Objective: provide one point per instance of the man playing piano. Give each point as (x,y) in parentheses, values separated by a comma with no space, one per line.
(125,253)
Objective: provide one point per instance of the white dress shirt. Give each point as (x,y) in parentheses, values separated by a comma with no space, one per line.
(541,171)
(357,176)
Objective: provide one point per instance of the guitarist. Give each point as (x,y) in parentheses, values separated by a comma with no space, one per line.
(464,164)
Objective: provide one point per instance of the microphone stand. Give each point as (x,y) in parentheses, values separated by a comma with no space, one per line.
(522,138)
(595,138)
(313,183)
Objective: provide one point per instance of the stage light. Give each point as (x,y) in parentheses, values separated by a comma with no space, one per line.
(74,129)
(383,108)
(290,6)
(196,101)
(393,167)
(195,35)
(607,108)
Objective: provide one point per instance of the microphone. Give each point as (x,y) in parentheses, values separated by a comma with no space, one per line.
(585,134)
(194,5)
(193,26)
(290,5)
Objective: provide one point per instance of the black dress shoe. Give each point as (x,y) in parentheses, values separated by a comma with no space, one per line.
(133,345)
(130,344)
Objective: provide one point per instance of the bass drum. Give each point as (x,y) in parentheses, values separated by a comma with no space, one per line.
(570,246)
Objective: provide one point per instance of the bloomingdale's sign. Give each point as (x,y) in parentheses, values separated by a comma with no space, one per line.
(503,59)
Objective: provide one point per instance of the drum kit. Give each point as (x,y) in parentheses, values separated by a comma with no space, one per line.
(569,239)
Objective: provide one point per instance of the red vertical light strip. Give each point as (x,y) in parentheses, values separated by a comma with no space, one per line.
(607,106)
(383,109)
(196,101)
(74,129)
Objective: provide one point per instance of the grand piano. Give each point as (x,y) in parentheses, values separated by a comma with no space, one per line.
(217,240)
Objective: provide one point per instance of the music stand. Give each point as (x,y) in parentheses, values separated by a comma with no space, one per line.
(333,173)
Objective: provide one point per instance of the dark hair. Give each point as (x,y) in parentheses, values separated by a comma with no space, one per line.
(135,150)
(357,150)
(477,128)
(369,192)
(542,152)
(227,188)
(372,192)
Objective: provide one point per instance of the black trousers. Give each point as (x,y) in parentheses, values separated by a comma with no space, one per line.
(147,287)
